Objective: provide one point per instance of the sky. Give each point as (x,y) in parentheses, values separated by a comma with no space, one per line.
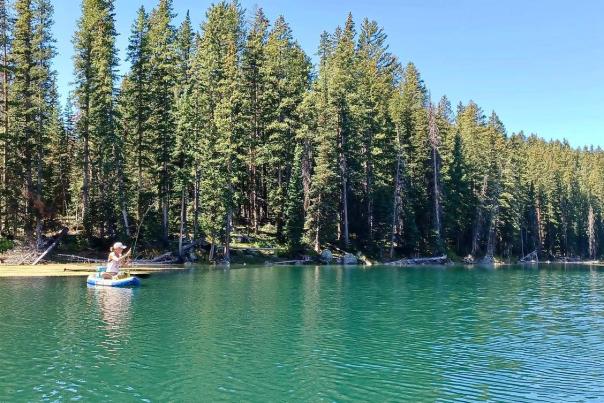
(538,63)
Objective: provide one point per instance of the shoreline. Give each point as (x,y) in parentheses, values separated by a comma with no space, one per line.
(82,269)
(69,270)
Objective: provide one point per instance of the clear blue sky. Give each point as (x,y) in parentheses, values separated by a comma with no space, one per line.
(539,64)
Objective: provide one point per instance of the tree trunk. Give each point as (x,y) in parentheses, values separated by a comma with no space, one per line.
(165,201)
(540,235)
(212,248)
(3,188)
(491,236)
(183,209)
(318,227)
(196,205)
(591,233)
(344,174)
(434,143)
(306,173)
(479,217)
(227,235)
(369,185)
(396,195)
(86,180)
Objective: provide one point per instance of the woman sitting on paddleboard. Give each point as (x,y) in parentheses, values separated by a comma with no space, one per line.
(115,259)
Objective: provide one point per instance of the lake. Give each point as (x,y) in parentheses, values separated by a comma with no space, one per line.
(309,333)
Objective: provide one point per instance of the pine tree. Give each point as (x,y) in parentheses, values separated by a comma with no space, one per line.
(217,72)
(323,196)
(456,198)
(134,107)
(287,74)
(409,112)
(435,143)
(255,110)
(95,62)
(184,150)
(378,70)
(160,121)
(5,47)
(33,86)
(294,208)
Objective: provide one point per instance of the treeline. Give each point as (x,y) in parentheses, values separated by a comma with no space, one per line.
(231,126)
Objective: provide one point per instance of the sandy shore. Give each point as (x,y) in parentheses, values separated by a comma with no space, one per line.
(46,270)
(69,269)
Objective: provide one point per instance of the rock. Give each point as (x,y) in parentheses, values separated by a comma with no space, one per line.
(243,239)
(326,256)
(488,260)
(349,258)
(364,259)
(469,259)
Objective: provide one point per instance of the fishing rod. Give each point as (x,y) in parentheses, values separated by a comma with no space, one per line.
(138,229)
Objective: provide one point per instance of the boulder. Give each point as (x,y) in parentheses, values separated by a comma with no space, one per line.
(469,259)
(326,256)
(349,258)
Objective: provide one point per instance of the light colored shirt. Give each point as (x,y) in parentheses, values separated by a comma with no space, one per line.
(113,265)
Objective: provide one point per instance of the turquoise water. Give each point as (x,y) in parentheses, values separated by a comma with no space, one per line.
(311,334)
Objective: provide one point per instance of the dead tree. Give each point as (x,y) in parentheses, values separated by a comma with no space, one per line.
(479,215)
(591,232)
(434,138)
(398,188)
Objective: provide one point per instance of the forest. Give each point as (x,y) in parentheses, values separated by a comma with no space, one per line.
(230,128)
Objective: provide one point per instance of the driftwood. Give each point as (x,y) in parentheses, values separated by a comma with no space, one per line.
(161,258)
(147,263)
(52,246)
(420,261)
(81,259)
(305,260)
(531,257)
(140,262)
(26,258)
(191,245)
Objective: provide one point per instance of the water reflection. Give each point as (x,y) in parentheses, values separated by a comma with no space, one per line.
(115,308)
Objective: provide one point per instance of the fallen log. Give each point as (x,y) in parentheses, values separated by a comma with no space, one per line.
(52,246)
(531,257)
(162,258)
(290,262)
(25,258)
(81,259)
(145,263)
(420,261)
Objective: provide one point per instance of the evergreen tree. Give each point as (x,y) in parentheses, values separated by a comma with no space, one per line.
(95,62)
(378,69)
(160,121)
(294,208)
(255,109)
(34,108)
(287,74)
(134,106)
(323,193)
(5,47)
(218,81)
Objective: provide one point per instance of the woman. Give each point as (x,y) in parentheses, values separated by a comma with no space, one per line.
(115,259)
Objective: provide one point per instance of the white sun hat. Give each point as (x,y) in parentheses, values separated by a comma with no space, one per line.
(119,245)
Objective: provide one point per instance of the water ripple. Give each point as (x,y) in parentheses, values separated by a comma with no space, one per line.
(309,334)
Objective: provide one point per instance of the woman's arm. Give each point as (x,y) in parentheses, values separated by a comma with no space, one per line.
(125,255)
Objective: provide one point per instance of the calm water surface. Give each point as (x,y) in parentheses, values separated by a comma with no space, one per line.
(312,334)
